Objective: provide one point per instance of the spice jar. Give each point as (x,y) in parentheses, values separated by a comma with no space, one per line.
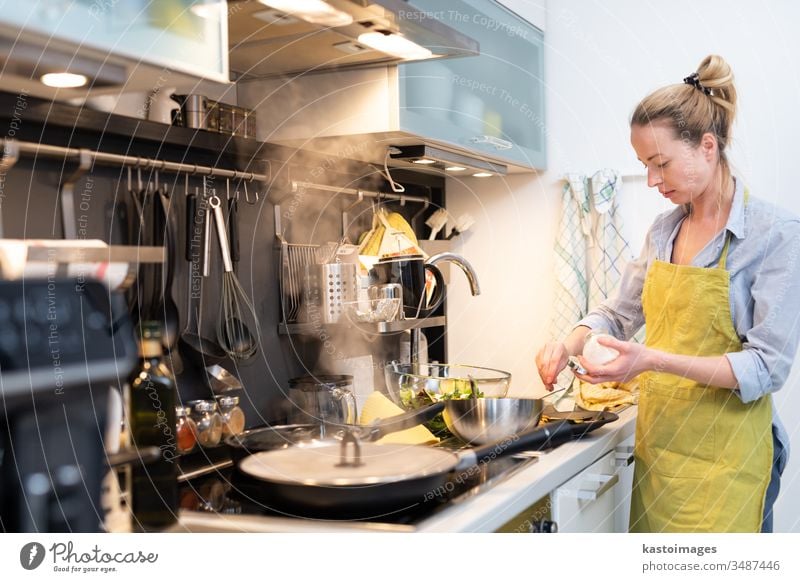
(208,421)
(185,430)
(232,416)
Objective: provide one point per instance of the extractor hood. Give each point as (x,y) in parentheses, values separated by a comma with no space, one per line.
(270,38)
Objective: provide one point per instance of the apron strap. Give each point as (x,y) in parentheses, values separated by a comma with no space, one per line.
(723,258)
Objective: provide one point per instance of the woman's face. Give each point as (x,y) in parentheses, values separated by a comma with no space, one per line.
(680,170)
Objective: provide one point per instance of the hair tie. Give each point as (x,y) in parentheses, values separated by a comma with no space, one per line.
(694,80)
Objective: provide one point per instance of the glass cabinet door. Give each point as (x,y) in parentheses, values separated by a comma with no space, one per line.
(492,103)
(189,36)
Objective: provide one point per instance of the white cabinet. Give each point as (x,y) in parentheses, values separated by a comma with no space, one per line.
(586,503)
(598,498)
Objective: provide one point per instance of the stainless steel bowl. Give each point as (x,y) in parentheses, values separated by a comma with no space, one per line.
(487,420)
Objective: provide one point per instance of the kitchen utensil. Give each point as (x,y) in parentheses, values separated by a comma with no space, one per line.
(358,480)
(326,399)
(436,222)
(327,288)
(410,272)
(220,380)
(485,420)
(409,386)
(202,350)
(168,309)
(294,260)
(233,334)
(319,434)
(204,206)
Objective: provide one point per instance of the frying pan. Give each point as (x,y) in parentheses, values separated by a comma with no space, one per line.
(352,480)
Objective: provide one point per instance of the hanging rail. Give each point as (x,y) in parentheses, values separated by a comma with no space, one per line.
(403,198)
(23,147)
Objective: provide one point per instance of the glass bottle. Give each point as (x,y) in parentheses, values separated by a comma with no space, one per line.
(208,421)
(154,486)
(233,420)
(186,430)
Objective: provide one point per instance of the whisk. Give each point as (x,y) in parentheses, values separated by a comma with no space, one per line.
(232,334)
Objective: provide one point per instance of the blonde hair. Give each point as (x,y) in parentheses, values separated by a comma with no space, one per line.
(705,103)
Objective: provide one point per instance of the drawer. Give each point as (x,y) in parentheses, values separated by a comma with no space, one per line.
(587,503)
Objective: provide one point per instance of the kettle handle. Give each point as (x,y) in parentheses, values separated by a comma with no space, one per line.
(438,292)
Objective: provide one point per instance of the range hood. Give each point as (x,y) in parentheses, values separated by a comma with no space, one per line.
(269,38)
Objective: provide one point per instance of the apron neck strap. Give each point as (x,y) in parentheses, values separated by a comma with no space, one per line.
(723,258)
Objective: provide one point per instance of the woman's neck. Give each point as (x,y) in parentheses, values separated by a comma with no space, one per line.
(715,203)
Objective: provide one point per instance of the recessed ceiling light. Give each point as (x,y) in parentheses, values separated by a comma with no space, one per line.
(482,175)
(314,11)
(64,80)
(395,45)
(455,168)
(424,161)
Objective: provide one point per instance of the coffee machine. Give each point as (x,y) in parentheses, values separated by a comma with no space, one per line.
(63,342)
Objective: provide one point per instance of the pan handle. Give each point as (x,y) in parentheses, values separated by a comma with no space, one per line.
(382,427)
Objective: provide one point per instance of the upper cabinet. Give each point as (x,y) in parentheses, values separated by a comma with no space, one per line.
(492,103)
(113,42)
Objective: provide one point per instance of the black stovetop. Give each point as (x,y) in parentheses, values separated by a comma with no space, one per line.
(222,492)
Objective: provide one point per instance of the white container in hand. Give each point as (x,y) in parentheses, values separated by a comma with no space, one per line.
(595,353)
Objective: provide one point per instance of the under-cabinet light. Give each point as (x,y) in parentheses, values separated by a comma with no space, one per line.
(424,161)
(395,45)
(64,80)
(482,175)
(314,11)
(455,168)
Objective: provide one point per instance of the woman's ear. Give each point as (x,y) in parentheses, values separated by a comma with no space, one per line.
(708,144)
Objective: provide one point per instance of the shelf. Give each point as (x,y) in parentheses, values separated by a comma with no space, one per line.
(63,252)
(375,328)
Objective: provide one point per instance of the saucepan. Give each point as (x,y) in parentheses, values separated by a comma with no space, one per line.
(357,480)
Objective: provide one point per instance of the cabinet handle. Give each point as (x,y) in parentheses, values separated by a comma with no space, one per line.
(499,144)
(623,456)
(604,483)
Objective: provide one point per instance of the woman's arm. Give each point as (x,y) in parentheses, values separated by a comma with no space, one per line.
(635,358)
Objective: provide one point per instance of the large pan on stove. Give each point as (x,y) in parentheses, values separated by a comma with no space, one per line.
(358,480)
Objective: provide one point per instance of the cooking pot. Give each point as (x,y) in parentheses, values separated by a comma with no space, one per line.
(354,480)
(323,399)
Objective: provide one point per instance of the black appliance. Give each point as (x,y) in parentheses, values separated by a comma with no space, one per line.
(63,342)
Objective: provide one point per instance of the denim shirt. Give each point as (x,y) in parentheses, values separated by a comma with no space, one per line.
(764,266)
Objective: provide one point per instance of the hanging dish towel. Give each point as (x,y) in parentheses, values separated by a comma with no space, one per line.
(570,260)
(611,251)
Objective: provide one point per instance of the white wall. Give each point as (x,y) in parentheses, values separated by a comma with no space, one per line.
(600,59)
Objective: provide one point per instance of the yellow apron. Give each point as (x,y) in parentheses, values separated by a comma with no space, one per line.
(703,458)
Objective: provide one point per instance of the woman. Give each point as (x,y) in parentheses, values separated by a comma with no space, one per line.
(717,287)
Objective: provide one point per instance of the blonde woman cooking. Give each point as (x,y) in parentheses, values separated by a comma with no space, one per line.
(717,287)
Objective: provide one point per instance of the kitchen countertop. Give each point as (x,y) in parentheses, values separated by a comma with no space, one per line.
(484,512)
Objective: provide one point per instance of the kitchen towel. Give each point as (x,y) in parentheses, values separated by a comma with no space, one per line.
(572,240)
(590,250)
(609,250)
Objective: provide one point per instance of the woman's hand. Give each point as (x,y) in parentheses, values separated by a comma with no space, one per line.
(633,359)
(550,360)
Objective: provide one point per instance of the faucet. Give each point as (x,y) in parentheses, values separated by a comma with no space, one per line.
(463,264)
(474,288)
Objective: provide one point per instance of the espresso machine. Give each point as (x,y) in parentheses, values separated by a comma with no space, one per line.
(63,343)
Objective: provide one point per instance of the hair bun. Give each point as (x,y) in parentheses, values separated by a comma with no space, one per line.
(715,74)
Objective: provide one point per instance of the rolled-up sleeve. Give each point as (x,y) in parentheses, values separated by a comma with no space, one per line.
(770,345)
(621,314)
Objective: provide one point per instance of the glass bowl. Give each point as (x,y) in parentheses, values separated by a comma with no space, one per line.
(372,310)
(412,389)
